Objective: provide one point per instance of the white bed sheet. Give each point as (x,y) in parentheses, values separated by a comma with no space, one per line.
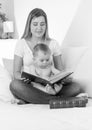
(40,117)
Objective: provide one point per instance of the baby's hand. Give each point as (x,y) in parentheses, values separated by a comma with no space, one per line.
(50,90)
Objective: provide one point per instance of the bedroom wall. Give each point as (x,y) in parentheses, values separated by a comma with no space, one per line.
(8,8)
(80,30)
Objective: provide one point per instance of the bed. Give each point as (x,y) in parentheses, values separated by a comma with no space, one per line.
(41,117)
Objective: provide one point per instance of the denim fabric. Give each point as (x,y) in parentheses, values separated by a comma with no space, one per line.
(30,94)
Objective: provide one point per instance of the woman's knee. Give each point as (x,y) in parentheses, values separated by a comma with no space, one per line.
(14,85)
(71,89)
(76,88)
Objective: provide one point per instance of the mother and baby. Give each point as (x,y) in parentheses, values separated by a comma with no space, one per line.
(39,54)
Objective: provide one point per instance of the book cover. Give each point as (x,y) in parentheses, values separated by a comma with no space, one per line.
(68,102)
(54,79)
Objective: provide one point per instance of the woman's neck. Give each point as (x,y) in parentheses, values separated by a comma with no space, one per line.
(36,40)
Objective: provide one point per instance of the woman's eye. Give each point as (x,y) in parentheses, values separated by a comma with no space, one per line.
(35,24)
(42,60)
(47,60)
(42,24)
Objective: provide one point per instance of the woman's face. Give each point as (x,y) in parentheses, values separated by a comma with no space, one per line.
(38,26)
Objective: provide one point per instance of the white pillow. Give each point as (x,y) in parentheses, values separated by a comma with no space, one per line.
(8,64)
(83,72)
(5,79)
(71,56)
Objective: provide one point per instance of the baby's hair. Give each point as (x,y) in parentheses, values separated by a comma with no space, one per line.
(41,47)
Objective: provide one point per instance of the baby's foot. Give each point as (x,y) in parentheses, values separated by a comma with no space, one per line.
(50,90)
(57,87)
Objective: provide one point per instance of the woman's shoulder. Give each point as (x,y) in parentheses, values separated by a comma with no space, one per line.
(53,42)
(21,41)
(20,46)
(55,47)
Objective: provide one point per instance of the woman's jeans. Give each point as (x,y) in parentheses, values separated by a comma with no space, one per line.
(30,94)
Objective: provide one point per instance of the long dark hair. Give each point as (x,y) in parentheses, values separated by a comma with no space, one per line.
(35,13)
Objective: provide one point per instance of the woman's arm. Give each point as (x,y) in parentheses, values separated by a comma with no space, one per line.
(18,63)
(58,62)
(59,65)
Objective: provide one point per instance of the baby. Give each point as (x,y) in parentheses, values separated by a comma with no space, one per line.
(43,67)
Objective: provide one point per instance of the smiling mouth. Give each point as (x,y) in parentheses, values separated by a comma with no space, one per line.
(39,32)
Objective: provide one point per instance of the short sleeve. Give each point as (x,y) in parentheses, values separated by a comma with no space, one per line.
(55,48)
(19,48)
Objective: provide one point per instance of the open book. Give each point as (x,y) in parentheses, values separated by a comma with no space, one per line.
(54,79)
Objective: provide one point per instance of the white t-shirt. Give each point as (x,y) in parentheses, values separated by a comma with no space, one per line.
(22,49)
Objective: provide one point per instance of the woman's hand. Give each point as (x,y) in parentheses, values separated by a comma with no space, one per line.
(18,76)
(67,80)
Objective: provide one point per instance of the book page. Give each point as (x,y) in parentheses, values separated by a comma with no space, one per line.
(59,76)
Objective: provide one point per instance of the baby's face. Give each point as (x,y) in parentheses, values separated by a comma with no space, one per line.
(43,60)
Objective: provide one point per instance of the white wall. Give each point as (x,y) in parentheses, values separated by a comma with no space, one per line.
(89,7)
(60,14)
(80,30)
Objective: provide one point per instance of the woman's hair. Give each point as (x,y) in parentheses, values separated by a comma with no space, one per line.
(37,12)
(41,47)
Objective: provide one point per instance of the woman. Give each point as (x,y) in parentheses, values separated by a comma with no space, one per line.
(36,31)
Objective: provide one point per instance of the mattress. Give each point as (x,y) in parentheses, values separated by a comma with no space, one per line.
(41,117)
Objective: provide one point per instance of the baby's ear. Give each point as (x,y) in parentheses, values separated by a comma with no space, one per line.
(33,58)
